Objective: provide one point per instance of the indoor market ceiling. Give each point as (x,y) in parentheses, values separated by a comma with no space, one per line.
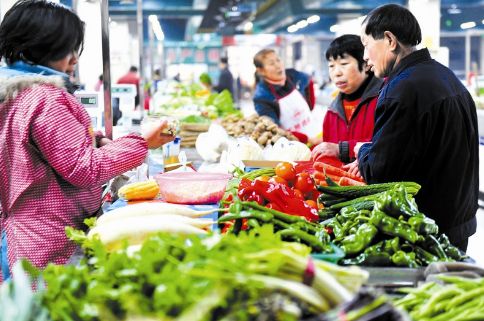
(181,19)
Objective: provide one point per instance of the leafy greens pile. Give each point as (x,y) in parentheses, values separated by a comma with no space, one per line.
(249,277)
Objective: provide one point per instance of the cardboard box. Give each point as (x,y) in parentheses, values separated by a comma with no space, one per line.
(255,164)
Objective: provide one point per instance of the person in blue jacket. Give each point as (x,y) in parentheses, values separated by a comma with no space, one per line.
(285,95)
(425,125)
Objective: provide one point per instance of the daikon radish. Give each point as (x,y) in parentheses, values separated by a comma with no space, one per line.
(197,222)
(136,229)
(153,208)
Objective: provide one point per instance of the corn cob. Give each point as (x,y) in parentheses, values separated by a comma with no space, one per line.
(139,191)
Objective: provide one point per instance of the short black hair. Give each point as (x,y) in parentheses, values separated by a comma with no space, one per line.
(224,60)
(347,45)
(133,69)
(396,19)
(39,31)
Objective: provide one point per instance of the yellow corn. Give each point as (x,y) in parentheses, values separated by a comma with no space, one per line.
(139,191)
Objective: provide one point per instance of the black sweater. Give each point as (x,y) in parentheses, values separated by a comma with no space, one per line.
(426,131)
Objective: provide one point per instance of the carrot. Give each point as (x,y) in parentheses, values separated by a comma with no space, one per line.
(346,181)
(320,182)
(329,169)
(322,176)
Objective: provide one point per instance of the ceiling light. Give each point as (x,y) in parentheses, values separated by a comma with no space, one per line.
(302,24)
(248,26)
(454,10)
(482,21)
(155,24)
(334,28)
(467,25)
(292,28)
(313,19)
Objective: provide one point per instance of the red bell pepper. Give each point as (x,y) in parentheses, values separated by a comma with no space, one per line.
(278,195)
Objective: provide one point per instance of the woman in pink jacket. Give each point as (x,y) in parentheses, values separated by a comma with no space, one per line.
(52,166)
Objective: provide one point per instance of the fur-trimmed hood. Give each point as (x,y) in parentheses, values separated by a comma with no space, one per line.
(11,86)
(21,75)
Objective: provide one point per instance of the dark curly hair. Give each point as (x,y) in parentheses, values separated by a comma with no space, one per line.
(39,31)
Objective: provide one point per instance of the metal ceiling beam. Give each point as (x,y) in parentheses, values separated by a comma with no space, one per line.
(163,13)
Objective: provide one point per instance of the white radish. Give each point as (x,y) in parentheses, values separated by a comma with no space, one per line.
(152,208)
(136,229)
(197,222)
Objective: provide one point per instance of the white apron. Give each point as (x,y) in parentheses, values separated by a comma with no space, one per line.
(295,114)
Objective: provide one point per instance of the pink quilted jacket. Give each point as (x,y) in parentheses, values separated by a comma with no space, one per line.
(50,172)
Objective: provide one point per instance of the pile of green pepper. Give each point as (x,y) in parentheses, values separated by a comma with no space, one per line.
(390,232)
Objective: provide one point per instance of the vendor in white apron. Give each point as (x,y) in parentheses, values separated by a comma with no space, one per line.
(286,96)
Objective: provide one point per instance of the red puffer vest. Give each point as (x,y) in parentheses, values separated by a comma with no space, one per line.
(336,129)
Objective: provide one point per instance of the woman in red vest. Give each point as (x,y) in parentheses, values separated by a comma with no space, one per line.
(350,118)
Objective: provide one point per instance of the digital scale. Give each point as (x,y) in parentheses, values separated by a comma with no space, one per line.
(123,97)
(94,105)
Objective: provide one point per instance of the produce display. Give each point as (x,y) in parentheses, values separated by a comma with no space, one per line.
(381,225)
(260,128)
(163,261)
(458,299)
(189,131)
(375,225)
(194,100)
(254,276)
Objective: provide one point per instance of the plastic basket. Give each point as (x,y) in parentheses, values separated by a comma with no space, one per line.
(334,257)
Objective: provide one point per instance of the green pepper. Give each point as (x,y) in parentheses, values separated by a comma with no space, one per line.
(374,259)
(397,202)
(450,249)
(401,258)
(423,225)
(355,243)
(424,256)
(346,228)
(434,247)
(335,226)
(316,244)
(391,246)
(374,255)
(391,226)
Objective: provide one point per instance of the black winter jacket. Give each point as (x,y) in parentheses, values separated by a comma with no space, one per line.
(426,131)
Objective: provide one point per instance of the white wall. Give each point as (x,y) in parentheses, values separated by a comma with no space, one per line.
(123,46)
(4,6)
(90,63)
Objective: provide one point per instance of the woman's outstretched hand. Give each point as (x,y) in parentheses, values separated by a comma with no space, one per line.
(159,135)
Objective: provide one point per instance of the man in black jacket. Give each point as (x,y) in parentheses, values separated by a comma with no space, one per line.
(426,125)
(225,80)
